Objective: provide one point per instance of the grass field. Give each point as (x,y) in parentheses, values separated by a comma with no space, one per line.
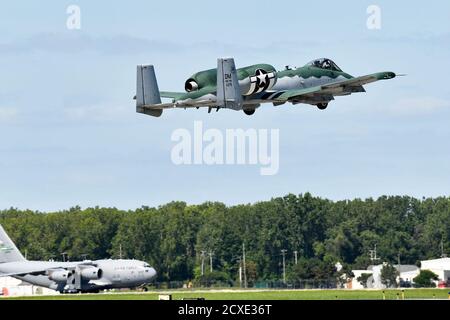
(258,295)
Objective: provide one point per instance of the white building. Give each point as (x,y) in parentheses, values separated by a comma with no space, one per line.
(441,267)
(406,274)
(354,283)
(10,286)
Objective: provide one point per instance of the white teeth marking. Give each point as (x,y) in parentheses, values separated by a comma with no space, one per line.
(272,95)
(295,82)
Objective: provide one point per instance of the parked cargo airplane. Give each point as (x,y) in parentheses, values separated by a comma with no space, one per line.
(72,277)
(316,83)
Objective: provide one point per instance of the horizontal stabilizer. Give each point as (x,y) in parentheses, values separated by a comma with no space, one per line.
(173,95)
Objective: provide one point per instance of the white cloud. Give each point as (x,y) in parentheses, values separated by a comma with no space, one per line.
(68,43)
(76,43)
(419,105)
(97,113)
(89,178)
(7,114)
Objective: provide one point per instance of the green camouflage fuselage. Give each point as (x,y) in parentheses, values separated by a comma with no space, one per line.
(299,78)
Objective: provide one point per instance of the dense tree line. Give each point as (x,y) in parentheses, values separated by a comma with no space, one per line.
(172,237)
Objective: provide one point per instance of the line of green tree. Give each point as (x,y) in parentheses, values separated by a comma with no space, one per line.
(171,237)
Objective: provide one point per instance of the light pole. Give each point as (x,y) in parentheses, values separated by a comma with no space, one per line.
(211,253)
(243,261)
(373,254)
(203,261)
(240,271)
(283,252)
(295,255)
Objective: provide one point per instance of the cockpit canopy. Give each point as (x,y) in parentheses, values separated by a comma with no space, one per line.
(324,63)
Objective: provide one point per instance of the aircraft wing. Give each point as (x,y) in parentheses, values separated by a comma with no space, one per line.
(170,94)
(23,273)
(290,95)
(176,104)
(11,274)
(340,87)
(359,81)
(159,106)
(26,271)
(41,270)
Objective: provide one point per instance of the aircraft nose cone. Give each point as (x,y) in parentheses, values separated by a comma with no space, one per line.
(151,272)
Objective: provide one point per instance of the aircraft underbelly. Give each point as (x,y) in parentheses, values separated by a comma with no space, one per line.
(126,283)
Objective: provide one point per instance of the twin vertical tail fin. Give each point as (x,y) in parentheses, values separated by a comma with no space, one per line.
(147,91)
(148,98)
(228,90)
(8,250)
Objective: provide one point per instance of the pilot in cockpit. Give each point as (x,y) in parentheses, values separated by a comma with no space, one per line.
(326,64)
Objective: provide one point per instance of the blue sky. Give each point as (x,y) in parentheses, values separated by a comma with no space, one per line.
(69,134)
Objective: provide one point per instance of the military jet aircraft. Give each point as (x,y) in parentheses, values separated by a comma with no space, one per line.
(72,277)
(316,83)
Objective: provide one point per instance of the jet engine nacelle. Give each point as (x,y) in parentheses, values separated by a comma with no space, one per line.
(252,79)
(59,276)
(91,273)
(190,85)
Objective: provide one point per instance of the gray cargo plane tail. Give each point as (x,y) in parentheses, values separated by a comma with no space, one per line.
(72,277)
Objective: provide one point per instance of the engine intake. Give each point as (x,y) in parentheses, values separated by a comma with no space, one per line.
(190,85)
